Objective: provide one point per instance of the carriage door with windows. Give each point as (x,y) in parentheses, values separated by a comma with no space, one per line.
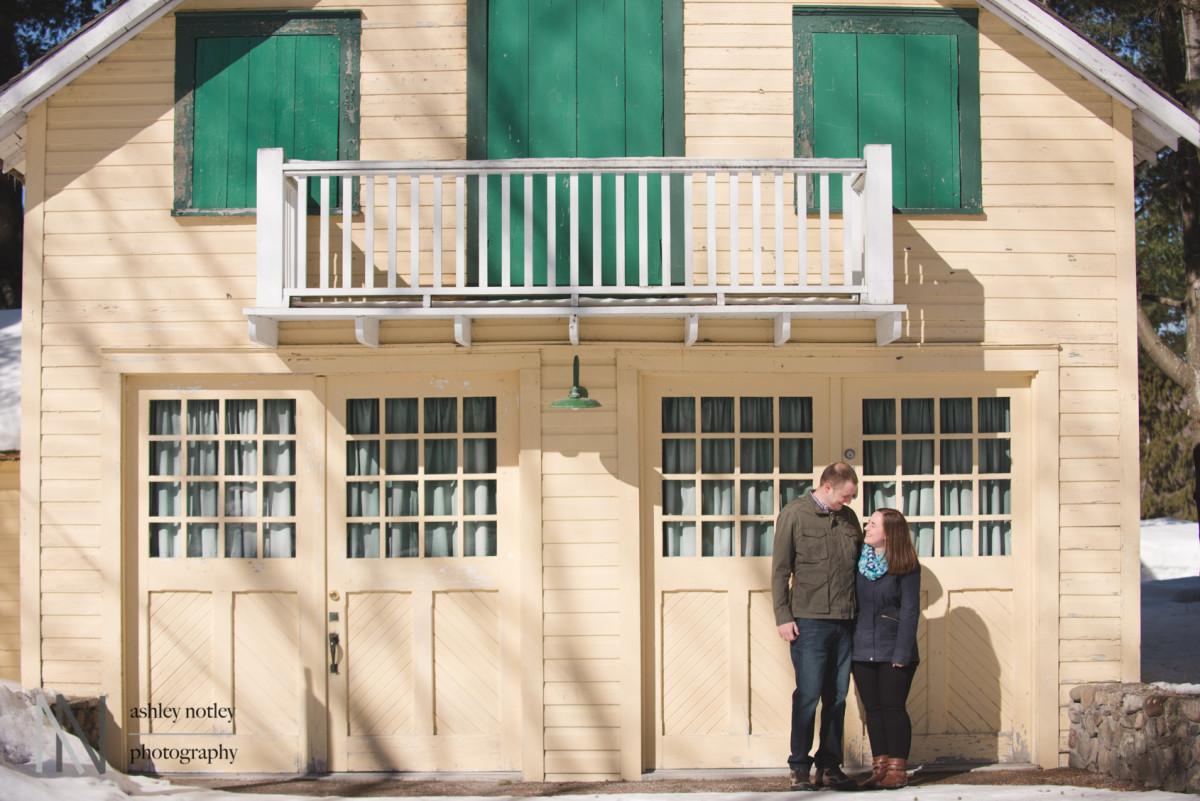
(422,554)
(945,457)
(227,552)
(722,466)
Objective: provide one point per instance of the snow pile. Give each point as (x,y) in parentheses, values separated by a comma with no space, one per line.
(1170,549)
(10,379)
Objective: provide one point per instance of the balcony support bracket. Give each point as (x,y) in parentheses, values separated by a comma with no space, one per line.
(783,329)
(887,328)
(573,328)
(366,331)
(462,331)
(264,330)
(691,329)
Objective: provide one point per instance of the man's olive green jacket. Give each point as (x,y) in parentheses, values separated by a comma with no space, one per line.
(819,552)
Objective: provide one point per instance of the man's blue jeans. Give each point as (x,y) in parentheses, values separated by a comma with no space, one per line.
(821,657)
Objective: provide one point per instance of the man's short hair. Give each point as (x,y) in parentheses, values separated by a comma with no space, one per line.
(838,474)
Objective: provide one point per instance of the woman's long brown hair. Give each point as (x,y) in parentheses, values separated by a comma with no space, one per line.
(897,543)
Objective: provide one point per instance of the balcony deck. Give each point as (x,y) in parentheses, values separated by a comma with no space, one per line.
(574,238)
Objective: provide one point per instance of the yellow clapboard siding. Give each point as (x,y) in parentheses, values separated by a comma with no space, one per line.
(94,289)
(1090,628)
(1090,402)
(1091,561)
(575,762)
(71,378)
(108,178)
(573,624)
(601,485)
(570,530)
(71,536)
(78,624)
(1089,606)
(1089,491)
(599,716)
(70,604)
(580,601)
(583,578)
(1096,514)
(1095,537)
(71,581)
(1080,425)
(73,424)
(564,554)
(382,59)
(579,509)
(65,674)
(1090,583)
(70,558)
(582,692)
(1090,650)
(175,312)
(580,647)
(383,128)
(70,356)
(582,739)
(1089,672)
(416,82)
(1090,447)
(74,650)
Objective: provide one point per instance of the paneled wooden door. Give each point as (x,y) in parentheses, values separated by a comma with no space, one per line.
(954,456)
(227,548)
(422,564)
(720,467)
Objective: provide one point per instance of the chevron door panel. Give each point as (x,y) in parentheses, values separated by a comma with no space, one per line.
(181,658)
(466,663)
(379,663)
(266,663)
(979,668)
(695,663)
(772,678)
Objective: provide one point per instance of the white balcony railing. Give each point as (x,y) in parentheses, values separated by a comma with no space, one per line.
(676,237)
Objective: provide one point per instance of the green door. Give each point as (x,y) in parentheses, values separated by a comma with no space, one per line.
(574,78)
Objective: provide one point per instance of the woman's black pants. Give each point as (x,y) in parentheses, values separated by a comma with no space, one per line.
(884,691)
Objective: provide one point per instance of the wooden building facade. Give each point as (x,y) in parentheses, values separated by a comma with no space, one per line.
(303,280)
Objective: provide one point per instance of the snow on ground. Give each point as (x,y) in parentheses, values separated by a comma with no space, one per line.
(1170,654)
(10,379)
(1170,601)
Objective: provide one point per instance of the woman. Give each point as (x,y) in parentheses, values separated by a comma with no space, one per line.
(885,643)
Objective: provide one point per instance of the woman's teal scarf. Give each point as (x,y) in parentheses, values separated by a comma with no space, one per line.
(870,564)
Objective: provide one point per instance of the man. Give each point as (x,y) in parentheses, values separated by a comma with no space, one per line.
(817,543)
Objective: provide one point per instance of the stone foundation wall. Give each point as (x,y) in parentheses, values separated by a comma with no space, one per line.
(1143,732)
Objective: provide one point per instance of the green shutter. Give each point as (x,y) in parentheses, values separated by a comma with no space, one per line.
(904,77)
(883,106)
(573,78)
(246,81)
(931,157)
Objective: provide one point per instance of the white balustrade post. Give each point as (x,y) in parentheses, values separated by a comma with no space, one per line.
(270,228)
(878,255)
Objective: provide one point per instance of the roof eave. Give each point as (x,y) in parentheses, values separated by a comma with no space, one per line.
(75,56)
(1161,118)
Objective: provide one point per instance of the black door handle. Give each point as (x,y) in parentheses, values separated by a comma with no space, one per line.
(333,648)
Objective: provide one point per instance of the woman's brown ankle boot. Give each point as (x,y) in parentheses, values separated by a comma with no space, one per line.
(878,770)
(897,774)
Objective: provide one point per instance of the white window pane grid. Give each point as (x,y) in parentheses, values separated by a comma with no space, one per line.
(221,477)
(421,477)
(946,463)
(729,464)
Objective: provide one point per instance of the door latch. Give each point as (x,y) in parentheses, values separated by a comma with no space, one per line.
(333,649)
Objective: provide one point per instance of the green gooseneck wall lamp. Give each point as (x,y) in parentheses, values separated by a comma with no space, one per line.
(578,397)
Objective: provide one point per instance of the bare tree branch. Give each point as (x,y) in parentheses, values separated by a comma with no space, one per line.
(1162,300)
(1174,367)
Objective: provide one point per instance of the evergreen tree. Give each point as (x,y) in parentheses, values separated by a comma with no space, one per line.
(1161,39)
